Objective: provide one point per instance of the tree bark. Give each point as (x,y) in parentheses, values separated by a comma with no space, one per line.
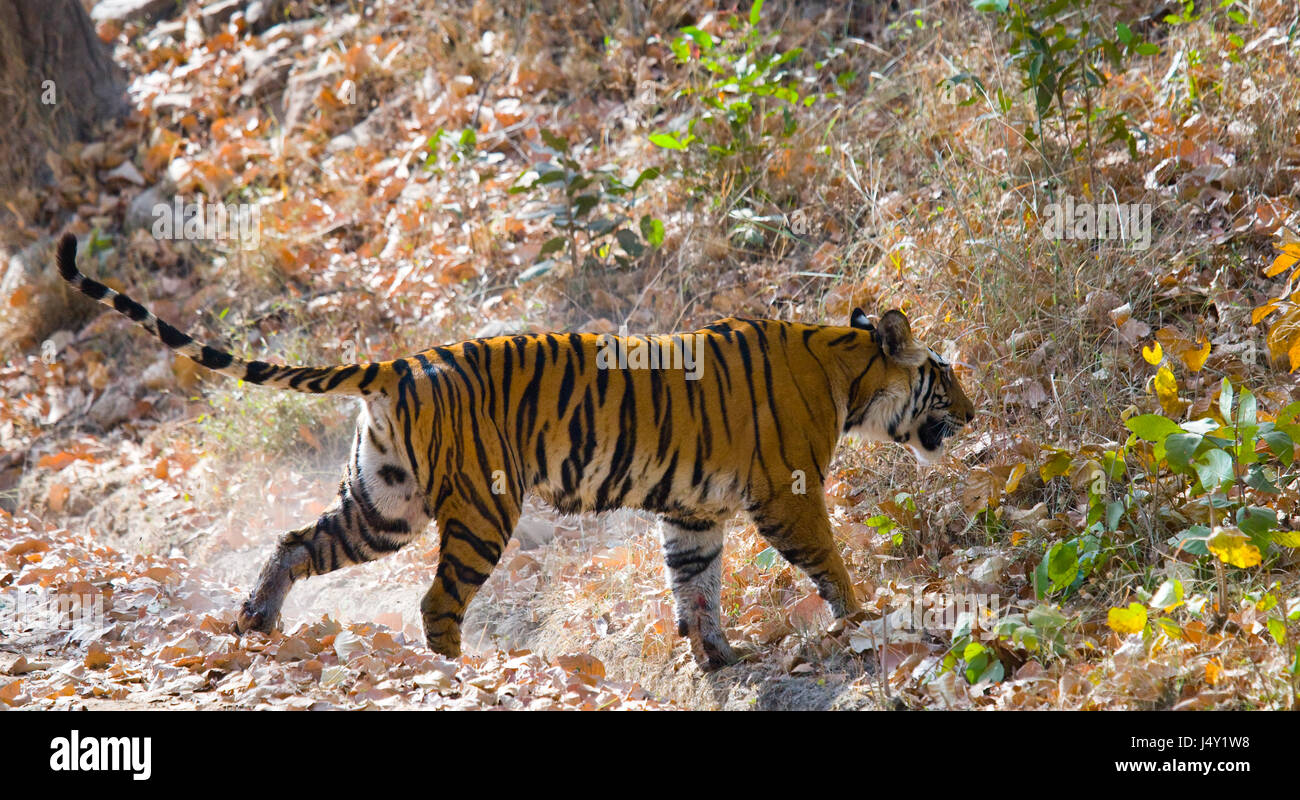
(57,83)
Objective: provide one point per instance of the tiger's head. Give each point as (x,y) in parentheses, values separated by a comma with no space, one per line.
(918,402)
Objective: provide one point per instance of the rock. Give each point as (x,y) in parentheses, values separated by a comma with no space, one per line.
(132,10)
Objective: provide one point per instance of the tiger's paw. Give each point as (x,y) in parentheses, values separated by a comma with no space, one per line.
(445,644)
(253,618)
(719,654)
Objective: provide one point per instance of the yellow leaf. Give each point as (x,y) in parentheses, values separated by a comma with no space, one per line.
(1195,359)
(1213,671)
(1058,464)
(1284,261)
(1287,538)
(1166,388)
(1017,537)
(1154,355)
(1263,311)
(1013,480)
(1127,620)
(1234,547)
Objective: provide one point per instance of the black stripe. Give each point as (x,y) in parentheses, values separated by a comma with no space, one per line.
(130,307)
(215,359)
(68,257)
(172,337)
(372,369)
(93,289)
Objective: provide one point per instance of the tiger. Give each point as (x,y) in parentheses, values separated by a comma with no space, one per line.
(741,415)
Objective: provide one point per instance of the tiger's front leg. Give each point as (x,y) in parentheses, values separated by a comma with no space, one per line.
(693,553)
(798,527)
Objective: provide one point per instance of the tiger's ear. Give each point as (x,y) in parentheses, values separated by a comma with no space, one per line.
(897,342)
(858,319)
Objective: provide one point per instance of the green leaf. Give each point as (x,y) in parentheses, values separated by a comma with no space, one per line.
(1246,408)
(1225,399)
(583,204)
(1181,447)
(1147,49)
(1280,445)
(1193,540)
(992,6)
(1288,415)
(1214,469)
(554,141)
(1201,426)
(1169,596)
(553,245)
(1123,32)
(1114,512)
(1047,618)
(1063,564)
(1256,520)
(647,174)
(1042,580)
(629,242)
(767,559)
(535,271)
(1277,629)
(882,523)
(755,13)
(1152,427)
(652,230)
(975,667)
(993,673)
(668,141)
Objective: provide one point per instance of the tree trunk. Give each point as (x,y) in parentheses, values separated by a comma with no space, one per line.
(57,82)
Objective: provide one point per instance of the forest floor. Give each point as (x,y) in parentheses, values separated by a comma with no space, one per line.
(392,155)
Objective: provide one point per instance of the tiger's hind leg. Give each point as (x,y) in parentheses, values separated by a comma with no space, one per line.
(693,553)
(472,537)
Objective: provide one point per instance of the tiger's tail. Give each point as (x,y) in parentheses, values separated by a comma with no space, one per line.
(350,379)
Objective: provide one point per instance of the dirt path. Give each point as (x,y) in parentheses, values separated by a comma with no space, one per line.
(558,625)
